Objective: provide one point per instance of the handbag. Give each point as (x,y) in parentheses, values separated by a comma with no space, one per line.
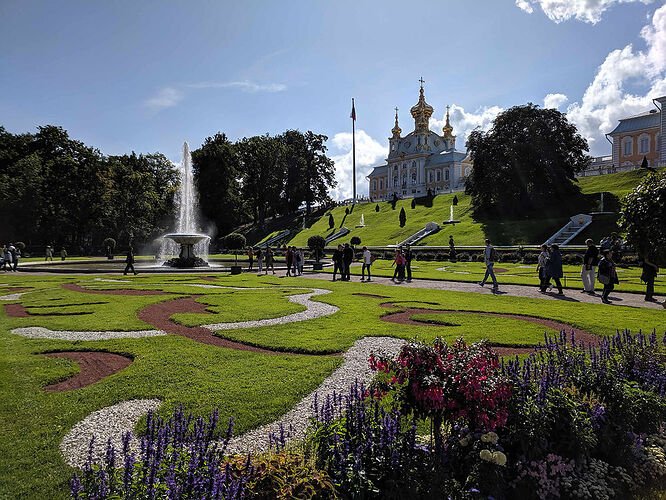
(604,279)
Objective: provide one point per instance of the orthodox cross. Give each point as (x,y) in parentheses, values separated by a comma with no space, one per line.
(396,111)
(422,81)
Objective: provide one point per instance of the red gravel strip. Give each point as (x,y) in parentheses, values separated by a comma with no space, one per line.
(16,311)
(159,315)
(404,318)
(94,367)
(74,287)
(16,289)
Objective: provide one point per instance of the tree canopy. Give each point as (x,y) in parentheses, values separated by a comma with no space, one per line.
(525,162)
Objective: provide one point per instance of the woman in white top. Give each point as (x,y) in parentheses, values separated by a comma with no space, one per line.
(367,262)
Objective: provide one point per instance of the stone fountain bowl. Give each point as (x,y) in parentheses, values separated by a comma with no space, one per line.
(187,239)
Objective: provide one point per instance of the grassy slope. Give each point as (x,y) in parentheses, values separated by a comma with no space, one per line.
(255,388)
(383,227)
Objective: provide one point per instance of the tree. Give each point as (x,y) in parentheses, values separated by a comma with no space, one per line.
(413,203)
(527,161)
(217,174)
(377,207)
(642,218)
(316,245)
(235,242)
(331,221)
(355,240)
(402,217)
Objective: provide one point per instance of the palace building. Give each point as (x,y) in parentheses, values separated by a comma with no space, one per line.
(420,162)
(640,136)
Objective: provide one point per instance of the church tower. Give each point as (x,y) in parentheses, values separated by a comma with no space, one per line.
(449,138)
(394,140)
(421,112)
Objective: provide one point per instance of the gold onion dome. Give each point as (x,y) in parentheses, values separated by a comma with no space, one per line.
(396,130)
(448,129)
(421,111)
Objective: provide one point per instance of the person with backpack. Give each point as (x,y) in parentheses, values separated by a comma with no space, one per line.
(409,256)
(367,262)
(650,270)
(129,261)
(607,275)
(489,258)
(337,263)
(347,259)
(554,269)
(590,261)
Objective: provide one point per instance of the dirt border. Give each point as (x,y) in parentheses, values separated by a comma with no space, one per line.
(75,287)
(95,366)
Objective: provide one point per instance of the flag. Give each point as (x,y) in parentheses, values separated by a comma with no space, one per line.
(353,112)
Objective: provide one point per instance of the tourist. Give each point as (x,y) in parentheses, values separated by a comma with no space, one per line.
(269,260)
(294,261)
(452,249)
(408,255)
(7,259)
(399,262)
(260,260)
(347,259)
(554,269)
(49,253)
(650,270)
(298,262)
(367,262)
(337,263)
(590,261)
(607,275)
(301,261)
(63,253)
(16,254)
(250,258)
(129,262)
(289,259)
(541,268)
(489,258)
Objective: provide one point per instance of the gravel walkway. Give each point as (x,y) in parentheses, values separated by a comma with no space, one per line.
(39,332)
(114,421)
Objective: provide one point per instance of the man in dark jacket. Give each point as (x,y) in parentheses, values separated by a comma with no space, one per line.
(337,263)
(554,269)
(408,255)
(129,260)
(347,258)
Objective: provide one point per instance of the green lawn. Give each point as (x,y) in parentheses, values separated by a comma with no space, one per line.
(255,388)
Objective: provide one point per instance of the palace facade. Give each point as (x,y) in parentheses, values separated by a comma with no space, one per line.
(421,161)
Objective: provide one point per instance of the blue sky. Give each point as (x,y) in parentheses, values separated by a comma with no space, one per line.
(145,76)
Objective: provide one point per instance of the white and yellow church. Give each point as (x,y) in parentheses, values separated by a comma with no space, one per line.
(421,162)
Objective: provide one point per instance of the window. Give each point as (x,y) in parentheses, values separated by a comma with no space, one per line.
(374,185)
(626,148)
(395,180)
(439,175)
(413,164)
(381,184)
(413,177)
(446,174)
(644,146)
(430,176)
(467,171)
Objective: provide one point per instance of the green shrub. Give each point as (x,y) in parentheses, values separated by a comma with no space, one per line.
(355,240)
(234,241)
(316,245)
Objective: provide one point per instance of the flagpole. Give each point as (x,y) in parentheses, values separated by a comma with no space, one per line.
(354,150)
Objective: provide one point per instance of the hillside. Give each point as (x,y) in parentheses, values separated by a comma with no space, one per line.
(383,227)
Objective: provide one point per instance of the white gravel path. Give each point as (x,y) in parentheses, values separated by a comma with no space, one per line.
(13,296)
(110,422)
(39,332)
(116,420)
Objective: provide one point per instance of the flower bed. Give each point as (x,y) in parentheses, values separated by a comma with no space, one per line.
(440,420)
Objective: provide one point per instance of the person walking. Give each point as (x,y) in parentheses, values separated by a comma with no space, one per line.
(541,268)
(301,261)
(347,259)
(650,270)
(607,275)
(16,254)
(63,253)
(399,262)
(250,258)
(7,259)
(337,263)
(452,249)
(49,253)
(294,263)
(129,262)
(489,258)
(260,260)
(408,255)
(590,261)
(298,262)
(289,259)
(269,260)
(554,269)
(367,262)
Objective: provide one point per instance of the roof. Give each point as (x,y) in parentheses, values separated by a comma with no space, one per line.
(649,119)
(381,170)
(446,157)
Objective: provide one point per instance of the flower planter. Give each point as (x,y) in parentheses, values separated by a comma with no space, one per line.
(236,269)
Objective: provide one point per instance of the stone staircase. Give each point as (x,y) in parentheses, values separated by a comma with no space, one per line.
(431,227)
(338,234)
(570,230)
(274,239)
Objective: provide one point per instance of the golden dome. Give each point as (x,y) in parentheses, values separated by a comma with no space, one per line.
(448,129)
(421,111)
(396,128)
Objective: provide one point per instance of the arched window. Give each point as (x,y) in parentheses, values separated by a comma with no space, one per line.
(374,184)
(381,184)
(446,174)
(439,175)
(413,164)
(467,171)
(430,176)
(627,146)
(644,143)
(413,177)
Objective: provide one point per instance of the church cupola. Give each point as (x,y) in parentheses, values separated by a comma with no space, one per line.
(421,111)
(396,130)
(448,132)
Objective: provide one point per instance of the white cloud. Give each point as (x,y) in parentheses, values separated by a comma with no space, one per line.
(369,154)
(464,122)
(589,11)
(166,97)
(606,99)
(554,101)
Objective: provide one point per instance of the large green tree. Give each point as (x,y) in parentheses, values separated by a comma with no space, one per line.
(217,176)
(643,217)
(525,162)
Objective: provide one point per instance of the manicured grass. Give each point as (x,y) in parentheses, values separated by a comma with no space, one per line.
(619,184)
(255,388)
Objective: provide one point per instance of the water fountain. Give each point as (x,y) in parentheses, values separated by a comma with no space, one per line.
(362,223)
(186,240)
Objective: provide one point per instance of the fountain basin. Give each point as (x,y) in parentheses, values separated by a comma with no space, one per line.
(186,257)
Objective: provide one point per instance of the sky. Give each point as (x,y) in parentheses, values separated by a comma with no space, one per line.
(145,76)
